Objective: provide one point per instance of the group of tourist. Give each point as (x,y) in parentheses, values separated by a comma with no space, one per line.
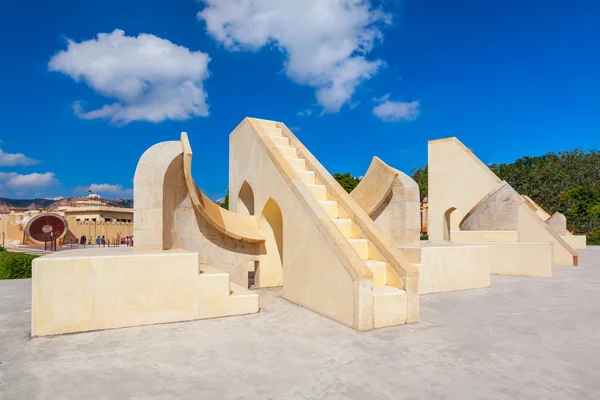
(101,241)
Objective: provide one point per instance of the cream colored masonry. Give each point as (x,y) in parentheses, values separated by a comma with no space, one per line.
(386,297)
(191,256)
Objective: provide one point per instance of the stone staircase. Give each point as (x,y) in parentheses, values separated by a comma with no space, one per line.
(217,296)
(389,302)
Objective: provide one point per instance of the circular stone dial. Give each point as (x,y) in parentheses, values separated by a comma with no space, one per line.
(45,224)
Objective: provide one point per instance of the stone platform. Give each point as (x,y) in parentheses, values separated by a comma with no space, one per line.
(522,338)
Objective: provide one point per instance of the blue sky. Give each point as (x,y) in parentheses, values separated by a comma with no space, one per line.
(353,79)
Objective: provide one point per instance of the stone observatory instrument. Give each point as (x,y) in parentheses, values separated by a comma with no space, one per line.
(46,226)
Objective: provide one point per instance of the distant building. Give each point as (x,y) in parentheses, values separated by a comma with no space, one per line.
(90,216)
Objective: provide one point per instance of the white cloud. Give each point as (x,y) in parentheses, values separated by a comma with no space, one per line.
(106,188)
(151,78)
(13,180)
(304,113)
(392,111)
(326,42)
(11,160)
(53,198)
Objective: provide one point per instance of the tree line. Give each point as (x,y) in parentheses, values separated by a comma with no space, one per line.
(567,182)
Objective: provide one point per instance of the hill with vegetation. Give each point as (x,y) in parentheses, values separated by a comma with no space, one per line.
(51,204)
(567,182)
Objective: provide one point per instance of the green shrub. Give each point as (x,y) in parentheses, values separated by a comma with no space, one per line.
(594,238)
(15,265)
(424,237)
(2,248)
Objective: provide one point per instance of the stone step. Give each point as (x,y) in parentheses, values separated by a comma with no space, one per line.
(288,152)
(281,141)
(344,225)
(331,207)
(308,177)
(299,164)
(212,281)
(319,191)
(265,123)
(273,132)
(361,246)
(389,306)
(379,270)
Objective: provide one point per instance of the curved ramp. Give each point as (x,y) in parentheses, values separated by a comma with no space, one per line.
(237,226)
(376,186)
(170,216)
(391,198)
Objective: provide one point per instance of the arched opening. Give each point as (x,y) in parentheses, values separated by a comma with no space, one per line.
(270,267)
(245,201)
(452,219)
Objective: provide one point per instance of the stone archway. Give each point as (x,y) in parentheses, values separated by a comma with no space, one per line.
(245,201)
(452,219)
(270,267)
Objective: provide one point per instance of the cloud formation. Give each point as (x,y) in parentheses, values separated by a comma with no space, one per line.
(15,181)
(106,188)
(15,159)
(326,43)
(152,79)
(393,111)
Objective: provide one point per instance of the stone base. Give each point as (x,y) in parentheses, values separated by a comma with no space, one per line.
(93,289)
(521,258)
(446,267)
(509,256)
(577,242)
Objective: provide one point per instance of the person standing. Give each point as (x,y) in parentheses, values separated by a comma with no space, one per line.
(98,240)
(83,240)
(103,241)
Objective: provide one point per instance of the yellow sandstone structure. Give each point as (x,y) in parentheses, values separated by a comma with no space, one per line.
(291,225)
(90,216)
(391,199)
(558,222)
(355,258)
(468,203)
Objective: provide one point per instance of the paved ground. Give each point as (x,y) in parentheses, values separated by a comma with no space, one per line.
(524,338)
(39,250)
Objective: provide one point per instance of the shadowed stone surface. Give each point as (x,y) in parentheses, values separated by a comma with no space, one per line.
(523,338)
(558,222)
(498,211)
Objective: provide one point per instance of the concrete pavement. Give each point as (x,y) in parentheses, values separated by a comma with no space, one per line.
(523,338)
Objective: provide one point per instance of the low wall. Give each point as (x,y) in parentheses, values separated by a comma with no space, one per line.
(575,241)
(511,257)
(444,268)
(92,229)
(533,229)
(92,289)
(484,236)
(521,258)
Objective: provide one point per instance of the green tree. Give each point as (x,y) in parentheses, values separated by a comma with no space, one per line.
(567,182)
(347,181)
(225,203)
(420,176)
(581,206)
